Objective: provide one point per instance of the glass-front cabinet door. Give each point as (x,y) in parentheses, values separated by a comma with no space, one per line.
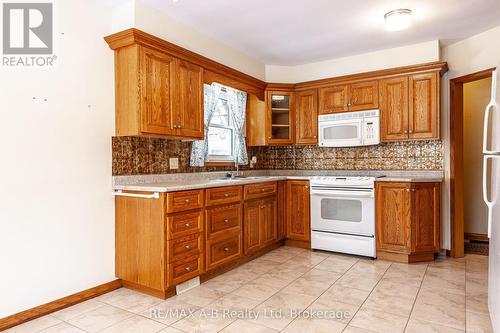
(280,118)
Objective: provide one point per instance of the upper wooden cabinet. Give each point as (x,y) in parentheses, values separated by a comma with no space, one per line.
(188,100)
(157,94)
(306,117)
(333,99)
(363,96)
(409,107)
(423,120)
(394,109)
(349,97)
(280,121)
(407,221)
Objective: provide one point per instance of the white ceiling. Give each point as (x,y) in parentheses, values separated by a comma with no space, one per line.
(292,32)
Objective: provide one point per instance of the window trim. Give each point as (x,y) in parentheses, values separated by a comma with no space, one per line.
(224,159)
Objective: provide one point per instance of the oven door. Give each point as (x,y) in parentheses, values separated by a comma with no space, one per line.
(341,133)
(343,211)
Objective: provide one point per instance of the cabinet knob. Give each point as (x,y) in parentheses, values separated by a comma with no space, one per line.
(226,221)
(226,249)
(405,131)
(188,247)
(226,195)
(187,225)
(411,131)
(306,186)
(263,206)
(188,269)
(187,200)
(314,137)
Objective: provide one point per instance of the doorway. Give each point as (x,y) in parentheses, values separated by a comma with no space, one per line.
(469,96)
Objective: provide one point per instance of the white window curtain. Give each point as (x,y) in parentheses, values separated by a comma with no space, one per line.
(237,103)
(199,150)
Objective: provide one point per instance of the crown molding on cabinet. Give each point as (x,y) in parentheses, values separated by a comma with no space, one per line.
(213,71)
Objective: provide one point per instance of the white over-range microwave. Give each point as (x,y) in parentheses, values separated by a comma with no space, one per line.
(349,129)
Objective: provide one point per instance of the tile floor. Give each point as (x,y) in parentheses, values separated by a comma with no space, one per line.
(293,290)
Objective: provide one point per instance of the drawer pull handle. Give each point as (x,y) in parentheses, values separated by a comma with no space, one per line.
(226,195)
(187,225)
(188,247)
(226,249)
(263,206)
(263,190)
(187,201)
(226,221)
(188,269)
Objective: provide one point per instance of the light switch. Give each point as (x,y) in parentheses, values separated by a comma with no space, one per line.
(174,163)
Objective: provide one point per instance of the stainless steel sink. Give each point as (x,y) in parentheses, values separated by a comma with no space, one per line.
(228,179)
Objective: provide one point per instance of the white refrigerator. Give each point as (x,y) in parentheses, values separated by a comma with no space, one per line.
(491,194)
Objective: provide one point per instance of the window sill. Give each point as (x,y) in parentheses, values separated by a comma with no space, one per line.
(220,163)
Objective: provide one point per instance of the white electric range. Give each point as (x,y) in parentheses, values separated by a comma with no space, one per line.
(343,215)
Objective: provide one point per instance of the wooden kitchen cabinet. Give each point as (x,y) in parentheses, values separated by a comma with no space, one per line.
(306,117)
(356,96)
(394,109)
(298,211)
(157,94)
(409,107)
(280,120)
(333,99)
(260,223)
(188,100)
(423,120)
(407,221)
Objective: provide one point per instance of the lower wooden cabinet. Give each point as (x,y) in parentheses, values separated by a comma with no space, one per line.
(407,221)
(260,224)
(223,249)
(298,216)
(162,242)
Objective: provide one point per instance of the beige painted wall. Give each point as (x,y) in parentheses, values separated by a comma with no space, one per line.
(388,58)
(476,97)
(135,13)
(474,54)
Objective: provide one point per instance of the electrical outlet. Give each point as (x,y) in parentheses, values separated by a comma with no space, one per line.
(253,161)
(173,163)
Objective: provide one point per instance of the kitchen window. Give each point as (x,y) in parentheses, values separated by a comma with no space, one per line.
(221,133)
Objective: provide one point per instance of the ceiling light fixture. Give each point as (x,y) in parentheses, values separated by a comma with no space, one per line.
(398,19)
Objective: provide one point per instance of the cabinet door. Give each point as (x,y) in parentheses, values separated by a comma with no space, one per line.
(251,226)
(424,108)
(188,110)
(269,226)
(425,214)
(280,118)
(282,209)
(393,217)
(298,210)
(394,109)
(333,99)
(307,117)
(157,90)
(363,96)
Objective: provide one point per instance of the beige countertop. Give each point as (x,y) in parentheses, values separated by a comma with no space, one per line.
(183,182)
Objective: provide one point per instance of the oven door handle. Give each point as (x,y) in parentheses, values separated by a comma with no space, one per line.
(343,194)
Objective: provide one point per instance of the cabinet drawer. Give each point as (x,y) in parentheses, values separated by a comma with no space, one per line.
(180,225)
(222,250)
(186,200)
(184,247)
(223,218)
(184,270)
(253,191)
(223,195)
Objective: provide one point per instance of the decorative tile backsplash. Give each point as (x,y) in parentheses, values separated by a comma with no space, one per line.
(142,155)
